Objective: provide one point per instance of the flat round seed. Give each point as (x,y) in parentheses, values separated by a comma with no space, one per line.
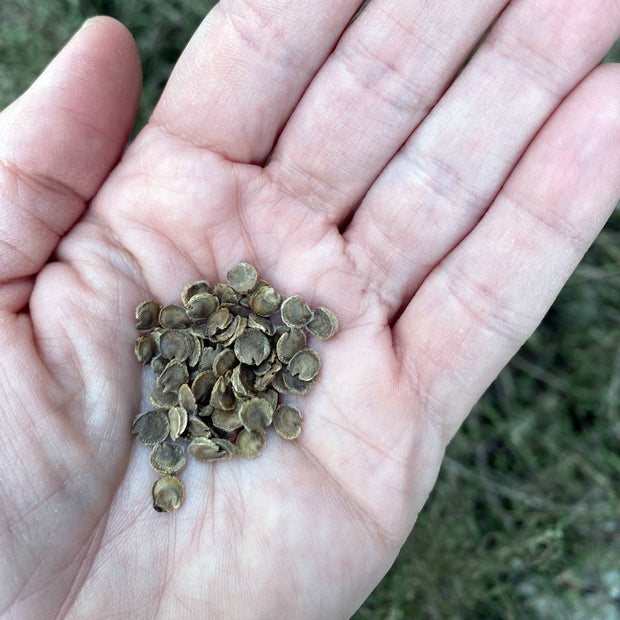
(224,361)
(226,420)
(167,458)
(252,347)
(194,288)
(173,317)
(219,321)
(265,301)
(195,428)
(146,348)
(202,306)
(227,448)
(242,278)
(161,399)
(147,315)
(222,395)
(305,364)
(263,323)
(177,417)
(324,324)
(187,400)
(256,414)
(290,343)
(226,294)
(168,493)
(204,449)
(295,312)
(250,443)
(287,421)
(202,385)
(173,376)
(151,427)
(196,353)
(176,344)
(242,380)
(294,384)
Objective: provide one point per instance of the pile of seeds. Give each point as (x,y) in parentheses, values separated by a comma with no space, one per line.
(221,361)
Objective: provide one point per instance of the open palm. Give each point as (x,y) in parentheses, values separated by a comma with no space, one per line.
(438,219)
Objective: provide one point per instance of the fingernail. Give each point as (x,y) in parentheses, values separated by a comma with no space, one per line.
(87,22)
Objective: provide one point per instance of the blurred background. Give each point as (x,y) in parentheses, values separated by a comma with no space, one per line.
(524,521)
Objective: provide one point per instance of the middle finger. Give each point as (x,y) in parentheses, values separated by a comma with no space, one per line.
(389,68)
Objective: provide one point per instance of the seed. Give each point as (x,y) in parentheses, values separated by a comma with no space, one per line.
(167,458)
(305,364)
(252,347)
(242,278)
(287,421)
(324,324)
(147,315)
(250,443)
(295,313)
(168,492)
(151,427)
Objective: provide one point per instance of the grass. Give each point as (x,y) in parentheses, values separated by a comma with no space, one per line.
(525,518)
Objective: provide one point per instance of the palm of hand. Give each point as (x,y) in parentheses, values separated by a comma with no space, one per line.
(312,524)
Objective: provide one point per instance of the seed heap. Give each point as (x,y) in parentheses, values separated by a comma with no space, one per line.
(221,361)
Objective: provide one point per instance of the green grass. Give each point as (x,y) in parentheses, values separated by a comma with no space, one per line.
(525,518)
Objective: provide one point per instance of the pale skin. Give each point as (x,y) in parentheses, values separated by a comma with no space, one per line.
(437,217)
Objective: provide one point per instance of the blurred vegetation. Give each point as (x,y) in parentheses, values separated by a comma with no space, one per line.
(525,518)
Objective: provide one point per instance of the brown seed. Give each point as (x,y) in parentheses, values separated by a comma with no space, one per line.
(202,385)
(226,294)
(146,348)
(219,321)
(173,376)
(161,399)
(324,324)
(290,343)
(242,278)
(252,347)
(151,427)
(222,395)
(173,317)
(196,354)
(187,400)
(194,288)
(305,364)
(147,315)
(226,420)
(287,421)
(227,448)
(294,384)
(271,396)
(265,301)
(195,428)
(176,344)
(250,443)
(263,323)
(242,380)
(158,363)
(167,458)
(177,417)
(224,361)
(262,382)
(204,449)
(202,306)
(256,414)
(168,492)
(294,312)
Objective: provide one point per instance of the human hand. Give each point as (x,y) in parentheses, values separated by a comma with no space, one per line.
(439,259)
